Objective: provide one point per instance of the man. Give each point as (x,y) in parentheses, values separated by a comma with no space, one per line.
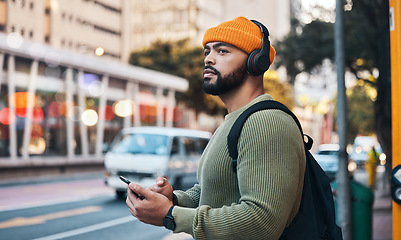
(263,196)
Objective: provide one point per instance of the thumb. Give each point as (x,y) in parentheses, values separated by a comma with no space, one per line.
(161,181)
(138,190)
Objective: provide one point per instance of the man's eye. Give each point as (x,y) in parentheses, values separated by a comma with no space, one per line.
(206,53)
(223,51)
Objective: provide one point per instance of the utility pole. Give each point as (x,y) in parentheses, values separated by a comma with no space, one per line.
(343,182)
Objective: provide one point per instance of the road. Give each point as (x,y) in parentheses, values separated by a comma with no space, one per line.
(77,208)
(71,209)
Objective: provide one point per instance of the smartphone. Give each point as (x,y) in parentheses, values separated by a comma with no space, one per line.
(128,182)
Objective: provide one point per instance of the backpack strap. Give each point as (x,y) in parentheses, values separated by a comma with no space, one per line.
(232,138)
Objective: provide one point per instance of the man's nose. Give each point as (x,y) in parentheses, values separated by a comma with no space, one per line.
(209,59)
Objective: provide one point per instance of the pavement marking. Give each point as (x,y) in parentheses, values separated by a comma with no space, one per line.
(89,228)
(25,221)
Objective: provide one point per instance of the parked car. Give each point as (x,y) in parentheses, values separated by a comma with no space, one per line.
(328,159)
(141,154)
(361,147)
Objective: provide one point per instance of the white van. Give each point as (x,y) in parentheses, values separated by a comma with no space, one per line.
(141,154)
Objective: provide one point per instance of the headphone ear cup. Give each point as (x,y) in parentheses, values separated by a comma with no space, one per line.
(250,63)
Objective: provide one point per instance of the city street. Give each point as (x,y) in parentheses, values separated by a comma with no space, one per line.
(71,209)
(83,207)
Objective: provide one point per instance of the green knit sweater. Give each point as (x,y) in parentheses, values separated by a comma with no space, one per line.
(263,197)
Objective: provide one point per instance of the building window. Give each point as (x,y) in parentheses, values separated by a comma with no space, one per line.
(31,34)
(31,5)
(47,39)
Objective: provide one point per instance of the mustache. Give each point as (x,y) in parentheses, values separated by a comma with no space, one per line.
(213,69)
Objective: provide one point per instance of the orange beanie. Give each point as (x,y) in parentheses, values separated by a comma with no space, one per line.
(239,32)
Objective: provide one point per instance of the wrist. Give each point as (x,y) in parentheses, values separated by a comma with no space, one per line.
(168,220)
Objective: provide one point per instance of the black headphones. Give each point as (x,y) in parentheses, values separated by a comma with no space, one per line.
(259,59)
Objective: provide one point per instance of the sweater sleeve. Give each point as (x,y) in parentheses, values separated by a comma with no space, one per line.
(189,198)
(270,169)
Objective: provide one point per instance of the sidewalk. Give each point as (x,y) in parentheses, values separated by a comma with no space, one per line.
(382,216)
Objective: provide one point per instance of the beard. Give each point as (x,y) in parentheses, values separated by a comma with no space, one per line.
(224,84)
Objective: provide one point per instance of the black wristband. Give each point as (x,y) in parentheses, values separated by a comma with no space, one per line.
(168,220)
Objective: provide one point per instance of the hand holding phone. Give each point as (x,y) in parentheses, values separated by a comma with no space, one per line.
(128,182)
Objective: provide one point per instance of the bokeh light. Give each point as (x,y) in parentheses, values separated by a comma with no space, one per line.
(21,99)
(60,96)
(52,59)
(53,71)
(55,109)
(37,50)
(87,79)
(14,40)
(90,102)
(90,117)
(123,108)
(7,116)
(96,88)
(37,146)
(99,51)
(37,115)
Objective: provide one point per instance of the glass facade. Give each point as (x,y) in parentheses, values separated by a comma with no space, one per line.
(57,107)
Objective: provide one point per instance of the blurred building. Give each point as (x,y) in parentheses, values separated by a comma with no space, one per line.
(58,99)
(176,20)
(64,63)
(116,27)
(60,103)
(75,25)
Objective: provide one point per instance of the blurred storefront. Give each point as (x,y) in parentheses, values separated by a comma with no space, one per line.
(55,103)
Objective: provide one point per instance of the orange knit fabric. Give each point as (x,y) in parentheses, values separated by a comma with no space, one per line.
(239,32)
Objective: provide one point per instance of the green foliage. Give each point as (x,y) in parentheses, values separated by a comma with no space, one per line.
(178,58)
(280,91)
(305,48)
(307,45)
(360,118)
(366,29)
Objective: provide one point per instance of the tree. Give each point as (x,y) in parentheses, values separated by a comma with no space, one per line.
(280,91)
(360,106)
(180,59)
(305,47)
(366,53)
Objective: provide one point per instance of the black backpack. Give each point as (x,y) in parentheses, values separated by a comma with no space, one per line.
(316,215)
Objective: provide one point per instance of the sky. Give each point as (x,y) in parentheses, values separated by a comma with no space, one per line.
(323,3)
(311,13)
